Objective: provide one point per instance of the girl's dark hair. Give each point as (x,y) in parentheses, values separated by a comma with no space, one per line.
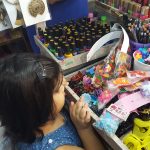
(27,84)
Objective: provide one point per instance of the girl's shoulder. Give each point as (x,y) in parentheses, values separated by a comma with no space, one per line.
(64,135)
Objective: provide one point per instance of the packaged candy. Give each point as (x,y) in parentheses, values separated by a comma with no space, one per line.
(86,98)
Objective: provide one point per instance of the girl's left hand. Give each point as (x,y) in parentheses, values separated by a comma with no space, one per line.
(79,114)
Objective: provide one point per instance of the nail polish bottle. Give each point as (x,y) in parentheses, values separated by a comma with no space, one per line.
(55,47)
(52,47)
(60,53)
(73,48)
(68,53)
(46,42)
(77,42)
(41,35)
(56,39)
(82,46)
(88,44)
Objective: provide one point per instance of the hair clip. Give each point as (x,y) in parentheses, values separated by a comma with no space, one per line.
(132,142)
(86,80)
(41,71)
(145,114)
(141,128)
(145,89)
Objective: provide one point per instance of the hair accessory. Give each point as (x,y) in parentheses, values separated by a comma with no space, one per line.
(146,143)
(145,89)
(86,80)
(36,7)
(87,98)
(132,142)
(141,128)
(97,81)
(105,96)
(41,71)
(90,72)
(97,92)
(108,122)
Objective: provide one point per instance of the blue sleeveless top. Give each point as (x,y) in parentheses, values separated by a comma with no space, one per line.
(64,135)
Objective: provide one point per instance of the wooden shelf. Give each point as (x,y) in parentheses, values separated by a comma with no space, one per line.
(6,39)
(14,40)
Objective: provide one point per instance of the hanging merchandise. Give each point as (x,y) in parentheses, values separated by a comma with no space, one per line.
(4,19)
(36,7)
(13,7)
(34,11)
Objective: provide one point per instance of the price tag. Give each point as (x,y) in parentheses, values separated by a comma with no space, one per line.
(118,111)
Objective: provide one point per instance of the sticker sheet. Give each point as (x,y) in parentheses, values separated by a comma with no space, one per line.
(34,11)
(13,7)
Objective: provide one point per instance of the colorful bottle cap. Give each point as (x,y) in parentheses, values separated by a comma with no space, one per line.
(103,18)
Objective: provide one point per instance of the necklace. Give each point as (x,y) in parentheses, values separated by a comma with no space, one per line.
(12,2)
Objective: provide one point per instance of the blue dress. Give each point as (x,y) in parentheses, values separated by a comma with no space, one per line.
(64,135)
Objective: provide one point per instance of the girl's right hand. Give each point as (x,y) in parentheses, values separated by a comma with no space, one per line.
(79,114)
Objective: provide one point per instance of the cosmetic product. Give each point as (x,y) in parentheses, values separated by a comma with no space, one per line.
(73,48)
(68,53)
(60,54)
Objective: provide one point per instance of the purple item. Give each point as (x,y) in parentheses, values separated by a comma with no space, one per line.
(86,80)
(134,45)
(145,89)
(97,92)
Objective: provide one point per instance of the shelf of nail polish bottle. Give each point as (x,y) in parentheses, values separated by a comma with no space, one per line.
(80,58)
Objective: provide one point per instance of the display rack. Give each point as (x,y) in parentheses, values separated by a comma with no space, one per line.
(112,140)
(115,12)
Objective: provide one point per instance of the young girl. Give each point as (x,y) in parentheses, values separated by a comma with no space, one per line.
(31,107)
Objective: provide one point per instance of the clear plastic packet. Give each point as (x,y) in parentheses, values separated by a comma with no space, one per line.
(108,122)
(89,99)
(122,82)
(138,74)
(145,89)
(133,87)
(106,96)
(123,63)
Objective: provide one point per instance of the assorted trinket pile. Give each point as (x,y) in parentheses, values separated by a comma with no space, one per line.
(121,98)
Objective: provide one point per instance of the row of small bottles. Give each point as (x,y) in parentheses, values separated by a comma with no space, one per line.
(73,37)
